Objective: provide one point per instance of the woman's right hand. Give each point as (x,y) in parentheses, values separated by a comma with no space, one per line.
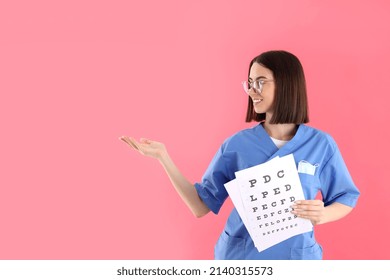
(146,147)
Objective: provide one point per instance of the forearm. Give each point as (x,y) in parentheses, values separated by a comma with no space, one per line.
(334,212)
(185,189)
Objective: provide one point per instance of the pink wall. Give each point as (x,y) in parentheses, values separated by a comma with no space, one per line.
(75,76)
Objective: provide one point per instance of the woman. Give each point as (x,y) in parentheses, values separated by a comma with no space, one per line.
(277,100)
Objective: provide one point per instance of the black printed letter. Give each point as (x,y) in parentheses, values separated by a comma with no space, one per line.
(253,182)
(281,172)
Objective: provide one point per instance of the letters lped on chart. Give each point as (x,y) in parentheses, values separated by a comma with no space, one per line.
(263,196)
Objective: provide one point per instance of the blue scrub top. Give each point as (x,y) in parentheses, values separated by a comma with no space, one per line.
(254,146)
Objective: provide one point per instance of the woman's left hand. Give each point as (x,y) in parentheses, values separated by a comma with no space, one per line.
(313,210)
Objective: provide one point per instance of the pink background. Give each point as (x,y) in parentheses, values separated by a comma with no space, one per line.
(76,75)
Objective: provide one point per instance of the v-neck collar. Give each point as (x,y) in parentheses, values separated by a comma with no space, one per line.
(273,150)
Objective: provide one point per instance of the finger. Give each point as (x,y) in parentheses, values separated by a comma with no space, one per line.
(131,144)
(134,143)
(307,207)
(312,213)
(128,142)
(308,202)
(124,139)
(306,215)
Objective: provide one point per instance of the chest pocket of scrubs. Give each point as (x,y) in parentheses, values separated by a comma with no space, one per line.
(229,248)
(310,185)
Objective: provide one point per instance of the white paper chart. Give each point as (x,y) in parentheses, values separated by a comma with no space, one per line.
(263,196)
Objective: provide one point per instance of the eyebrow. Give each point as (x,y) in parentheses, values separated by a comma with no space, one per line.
(258,78)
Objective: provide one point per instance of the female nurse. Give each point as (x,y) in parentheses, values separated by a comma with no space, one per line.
(278,102)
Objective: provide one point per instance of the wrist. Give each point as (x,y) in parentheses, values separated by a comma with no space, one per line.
(163,157)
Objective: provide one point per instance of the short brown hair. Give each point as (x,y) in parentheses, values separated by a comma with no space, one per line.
(290,103)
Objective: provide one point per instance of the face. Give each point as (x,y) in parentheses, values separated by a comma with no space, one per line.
(262,102)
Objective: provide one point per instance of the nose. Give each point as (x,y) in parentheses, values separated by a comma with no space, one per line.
(253,91)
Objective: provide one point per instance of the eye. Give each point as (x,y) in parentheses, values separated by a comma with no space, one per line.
(259,83)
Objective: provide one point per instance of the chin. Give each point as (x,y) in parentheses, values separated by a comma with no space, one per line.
(258,111)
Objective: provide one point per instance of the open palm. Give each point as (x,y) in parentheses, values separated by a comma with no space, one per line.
(145,147)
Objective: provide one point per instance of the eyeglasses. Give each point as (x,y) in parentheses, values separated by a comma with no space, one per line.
(257,85)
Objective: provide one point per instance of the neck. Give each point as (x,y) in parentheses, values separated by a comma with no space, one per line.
(280,131)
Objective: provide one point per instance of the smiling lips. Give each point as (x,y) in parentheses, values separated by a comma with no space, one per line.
(256,101)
